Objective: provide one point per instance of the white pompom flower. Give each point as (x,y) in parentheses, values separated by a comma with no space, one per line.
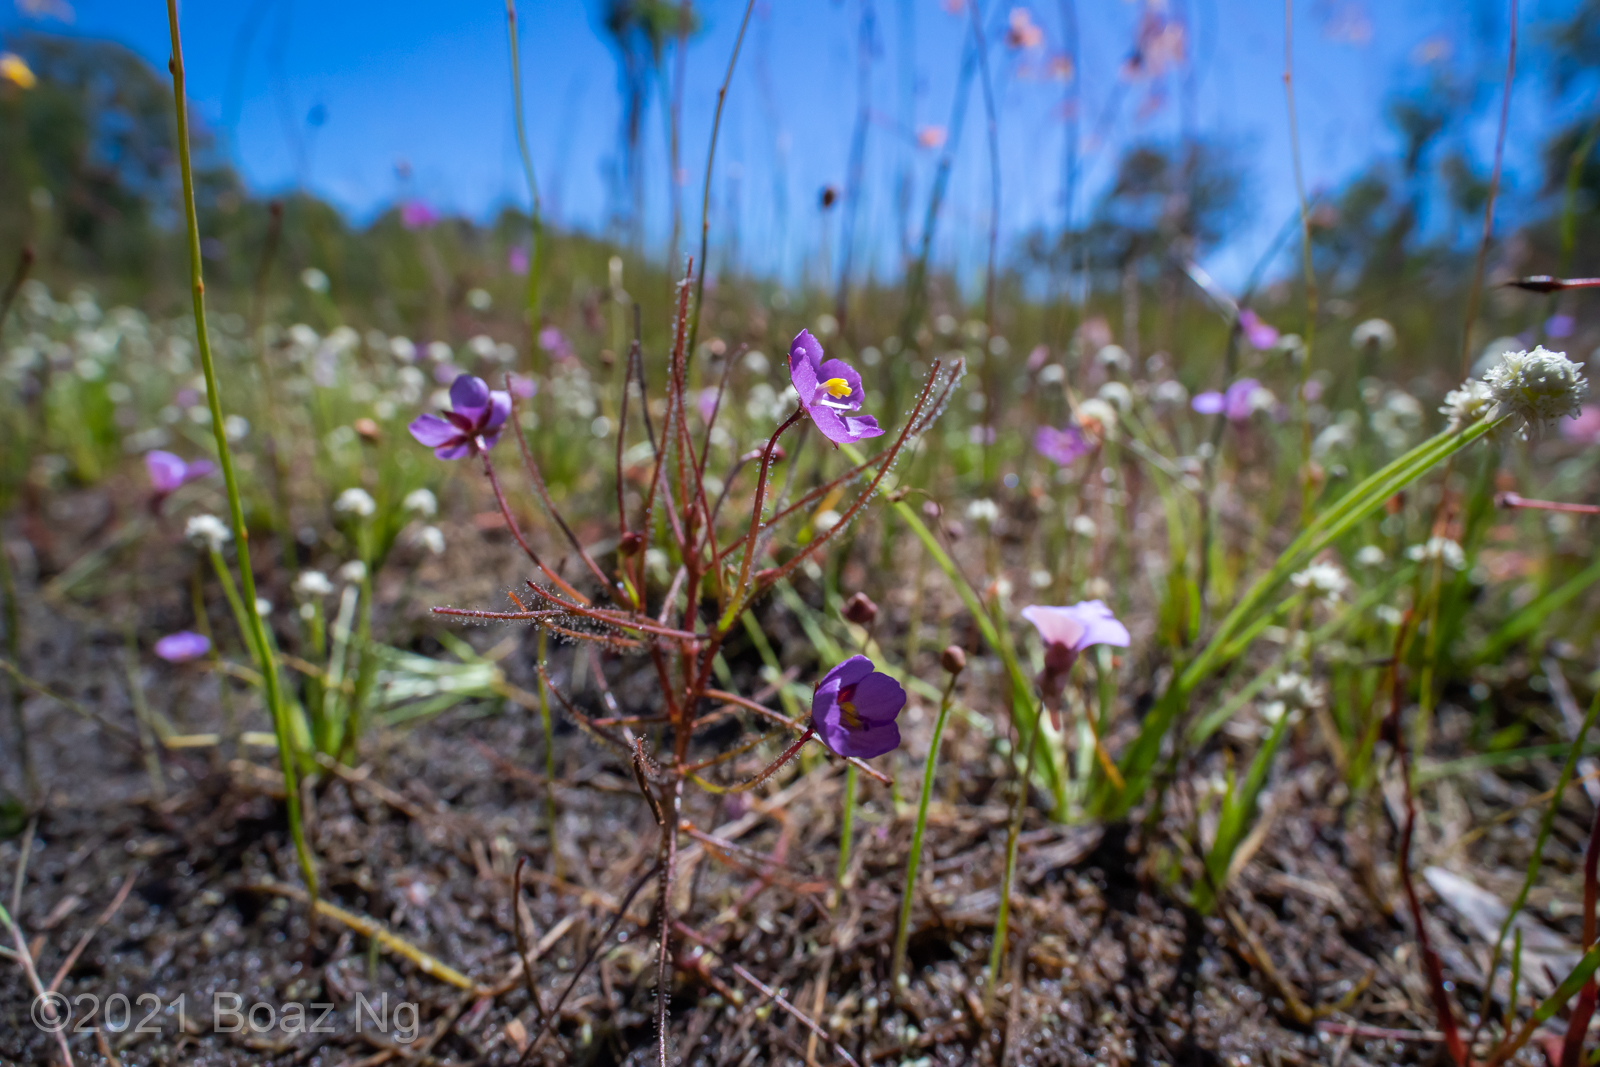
(1536,386)
(208,532)
(355,501)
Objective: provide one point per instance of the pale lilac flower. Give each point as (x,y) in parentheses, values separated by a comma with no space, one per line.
(1559,326)
(1583,427)
(523,388)
(416,214)
(517,260)
(1060,446)
(1237,403)
(854,708)
(705,402)
(1260,335)
(168,472)
(1067,631)
(553,341)
(183,646)
(829,390)
(473,424)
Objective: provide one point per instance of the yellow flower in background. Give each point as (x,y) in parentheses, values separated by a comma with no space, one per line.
(13,68)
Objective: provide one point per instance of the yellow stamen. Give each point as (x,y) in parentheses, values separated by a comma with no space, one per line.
(837,387)
(851,718)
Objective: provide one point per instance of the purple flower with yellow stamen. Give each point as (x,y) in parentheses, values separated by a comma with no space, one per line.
(1067,631)
(829,389)
(473,426)
(854,708)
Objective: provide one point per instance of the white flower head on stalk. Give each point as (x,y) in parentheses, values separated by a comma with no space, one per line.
(432,539)
(1468,404)
(1325,581)
(1439,548)
(1296,690)
(423,502)
(983,511)
(1369,556)
(208,532)
(355,501)
(312,584)
(1536,386)
(353,573)
(1373,332)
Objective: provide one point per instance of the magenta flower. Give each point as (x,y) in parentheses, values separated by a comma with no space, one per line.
(828,389)
(517,260)
(1060,446)
(167,472)
(1259,334)
(182,646)
(415,214)
(1068,631)
(1237,403)
(854,709)
(471,427)
(1584,427)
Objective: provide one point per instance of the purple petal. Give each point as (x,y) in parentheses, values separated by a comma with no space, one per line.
(499,408)
(879,698)
(850,672)
(486,441)
(869,743)
(1078,626)
(805,349)
(1238,401)
(166,470)
(454,451)
(469,395)
(432,431)
(1260,335)
(1208,403)
(859,428)
(1060,446)
(182,646)
(198,469)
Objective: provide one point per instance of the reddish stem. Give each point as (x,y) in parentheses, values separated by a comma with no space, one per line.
(1578,1025)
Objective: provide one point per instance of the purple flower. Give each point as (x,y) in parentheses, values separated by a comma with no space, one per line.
(1067,632)
(415,214)
(828,389)
(1237,403)
(1060,446)
(523,387)
(1560,326)
(471,427)
(517,260)
(854,709)
(183,646)
(1259,334)
(705,402)
(553,341)
(167,472)
(1583,427)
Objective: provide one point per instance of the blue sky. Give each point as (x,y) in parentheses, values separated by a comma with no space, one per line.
(428,83)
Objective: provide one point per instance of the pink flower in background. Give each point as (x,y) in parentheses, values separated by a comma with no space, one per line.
(1559,326)
(1160,45)
(1023,32)
(931,136)
(415,214)
(553,341)
(444,373)
(523,388)
(705,402)
(1060,446)
(1583,427)
(517,260)
(168,472)
(1237,403)
(1260,335)
(183,646)
(1068,631)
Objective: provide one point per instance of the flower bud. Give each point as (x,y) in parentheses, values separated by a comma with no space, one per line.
(953,659)
(630,544)
(860,609)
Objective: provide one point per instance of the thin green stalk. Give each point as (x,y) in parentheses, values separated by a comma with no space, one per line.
(1536,858)
(1013,831)
(914,859)
(536,236)
(269,670)
(847,820)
